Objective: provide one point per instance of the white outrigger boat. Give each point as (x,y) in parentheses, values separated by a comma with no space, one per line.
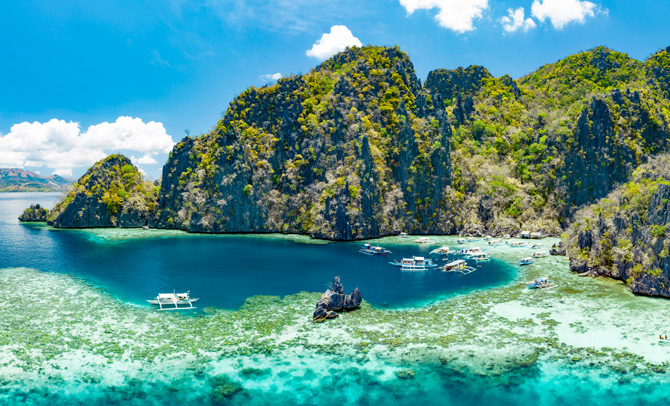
(174,301)
(372,250)
(541,283)
(444,250)
(414,264)
(469,251)
(403,235)
(526,261)
(495,242)
(461,241)
(424,240)
(480,257)
(458,266)
(517,244)
(540,254)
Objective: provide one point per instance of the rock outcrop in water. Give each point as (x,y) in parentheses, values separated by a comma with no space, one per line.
(112,193)
(626,236)
(334,300)
(34,213)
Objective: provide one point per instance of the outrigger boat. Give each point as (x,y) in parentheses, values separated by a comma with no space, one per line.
(495,242)
(444,250)
(469,251)
(372,250)
(540,254)
(526,261)
(403,235)
(541,283)
(480,257)
(517,244)
(414,264)
(174,301)
(424,240)
(458,266)
(461,240)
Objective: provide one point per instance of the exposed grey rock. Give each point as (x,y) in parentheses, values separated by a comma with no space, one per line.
(334,300)
(354,300)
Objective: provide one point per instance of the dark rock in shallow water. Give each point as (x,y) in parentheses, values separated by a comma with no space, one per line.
(334,300)
(321,311)
(34,213)
(560,251)
(337,286)
(354,300)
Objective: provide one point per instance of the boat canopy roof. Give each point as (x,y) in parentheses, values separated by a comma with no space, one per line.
(457,262)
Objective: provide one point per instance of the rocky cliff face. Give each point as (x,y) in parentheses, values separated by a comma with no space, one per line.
(357,148)
(354,149)
(601,155)
(112,193)
(34,213)
(624,236)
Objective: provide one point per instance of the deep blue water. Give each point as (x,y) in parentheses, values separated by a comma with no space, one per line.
(225,270)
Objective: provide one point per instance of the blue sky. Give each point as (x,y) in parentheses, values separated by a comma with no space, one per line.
(117,66)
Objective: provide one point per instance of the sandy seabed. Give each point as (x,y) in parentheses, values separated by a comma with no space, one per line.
(589,341)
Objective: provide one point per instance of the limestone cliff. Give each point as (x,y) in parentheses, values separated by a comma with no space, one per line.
(34,213)
(111,193)
(626,236)
(354,149)
(358,148)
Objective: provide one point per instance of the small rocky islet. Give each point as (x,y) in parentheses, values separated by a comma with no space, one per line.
(334,300)
(34,213)
(360,148)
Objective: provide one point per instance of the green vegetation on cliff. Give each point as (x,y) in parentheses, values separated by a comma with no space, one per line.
(357,148)
(627,234)
(34,213)
(111,193)
(353,149)
(528,152)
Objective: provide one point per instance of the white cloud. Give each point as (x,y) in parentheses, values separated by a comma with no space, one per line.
(563,12)
(147,159)
(516,21)
(456,15)
(337,40)
(271,77)
(61,145)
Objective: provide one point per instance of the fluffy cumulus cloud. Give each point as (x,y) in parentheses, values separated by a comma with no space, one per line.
(271,77)
(563,12)
(516,20)
(62,146)
(337,40)
(456,15)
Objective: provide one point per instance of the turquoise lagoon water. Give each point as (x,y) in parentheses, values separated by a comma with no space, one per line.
(72,333)
(222,270)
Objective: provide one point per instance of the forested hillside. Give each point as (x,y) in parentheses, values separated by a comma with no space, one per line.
(358,148)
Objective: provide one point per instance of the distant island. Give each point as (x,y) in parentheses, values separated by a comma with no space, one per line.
(19,180)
